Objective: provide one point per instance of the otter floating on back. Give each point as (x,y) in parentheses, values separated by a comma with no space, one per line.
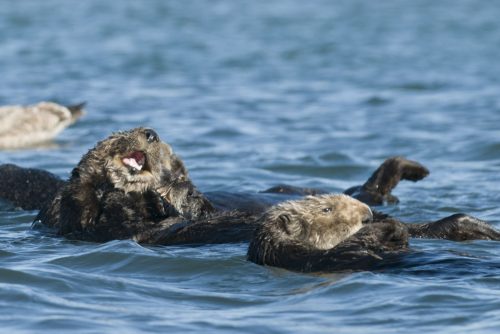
(325,233)
(336,233)
(115,192)
(132,186)
(24,126)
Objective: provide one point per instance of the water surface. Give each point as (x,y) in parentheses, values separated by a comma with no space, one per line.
(251,94)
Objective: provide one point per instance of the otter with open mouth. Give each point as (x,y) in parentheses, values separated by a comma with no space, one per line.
(115,190)
(132,186)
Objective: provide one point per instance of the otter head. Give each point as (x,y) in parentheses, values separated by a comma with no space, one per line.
(319,222)
(129,160)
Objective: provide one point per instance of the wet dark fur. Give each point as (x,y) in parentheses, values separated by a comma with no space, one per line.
(28,188)
(214,228)
(78,209)
(377,189)
(457,227)
(113,214)
(103,200)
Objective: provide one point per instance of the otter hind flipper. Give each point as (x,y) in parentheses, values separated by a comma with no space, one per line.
(457,227)
(412,170)
(377,189)
(393,170)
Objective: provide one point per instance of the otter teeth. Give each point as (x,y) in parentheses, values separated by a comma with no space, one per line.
(132,163)
(135,160)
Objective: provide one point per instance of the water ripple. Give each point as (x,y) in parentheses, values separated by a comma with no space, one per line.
(250,95)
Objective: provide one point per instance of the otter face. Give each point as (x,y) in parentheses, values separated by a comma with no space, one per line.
(132,159)
(319,222)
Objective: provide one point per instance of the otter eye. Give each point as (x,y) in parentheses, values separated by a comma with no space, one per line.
(151,135)
(326,210)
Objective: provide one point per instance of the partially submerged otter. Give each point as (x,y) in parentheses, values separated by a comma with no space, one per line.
(122,187)
(132,185)
(336,232)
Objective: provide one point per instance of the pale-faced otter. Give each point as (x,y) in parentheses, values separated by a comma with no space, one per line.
(23,126)
(325,233)
(336,232)
(318,221)
(297,235)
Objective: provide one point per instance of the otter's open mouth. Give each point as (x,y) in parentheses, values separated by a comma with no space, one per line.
(135,160)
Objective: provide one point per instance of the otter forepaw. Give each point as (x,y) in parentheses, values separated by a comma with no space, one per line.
(158,208)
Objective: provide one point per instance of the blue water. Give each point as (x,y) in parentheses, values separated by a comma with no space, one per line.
(251,94)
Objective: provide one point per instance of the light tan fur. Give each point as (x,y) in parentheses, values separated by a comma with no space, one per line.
(321,221)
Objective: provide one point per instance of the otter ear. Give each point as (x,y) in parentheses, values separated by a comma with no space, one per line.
(284,219)
(289,225)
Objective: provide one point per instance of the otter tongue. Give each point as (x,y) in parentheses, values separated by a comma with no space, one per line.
(135,160)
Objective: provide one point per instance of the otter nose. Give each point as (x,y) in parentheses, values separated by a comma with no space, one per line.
(151,135)
(368,217)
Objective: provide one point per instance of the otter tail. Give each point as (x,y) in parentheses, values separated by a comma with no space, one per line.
(28,188)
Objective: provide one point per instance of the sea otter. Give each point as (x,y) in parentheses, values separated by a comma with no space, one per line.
(336,232)
(132,185)
(122,186)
